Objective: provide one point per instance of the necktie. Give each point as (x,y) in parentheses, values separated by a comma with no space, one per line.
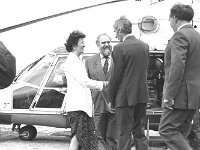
(105,66)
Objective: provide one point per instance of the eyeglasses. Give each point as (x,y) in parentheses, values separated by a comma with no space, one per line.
(108,42)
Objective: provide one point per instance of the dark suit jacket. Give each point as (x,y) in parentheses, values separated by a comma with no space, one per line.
(182,68)
(95,72)
(128,82)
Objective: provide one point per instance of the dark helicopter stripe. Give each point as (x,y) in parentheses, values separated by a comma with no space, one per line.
(5,119)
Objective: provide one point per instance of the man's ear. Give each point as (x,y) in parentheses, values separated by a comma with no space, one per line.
(176,20)
(97,43)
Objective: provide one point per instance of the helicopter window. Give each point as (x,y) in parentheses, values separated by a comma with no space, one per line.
(148,24)
(50,98)
(26,69)
(23,97)
(57,77)
(37,73)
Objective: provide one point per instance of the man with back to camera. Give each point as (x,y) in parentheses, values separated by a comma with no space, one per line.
(128,86)
(182,79)
(98,67)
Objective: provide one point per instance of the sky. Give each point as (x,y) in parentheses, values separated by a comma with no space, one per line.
(19,11)
(30,42)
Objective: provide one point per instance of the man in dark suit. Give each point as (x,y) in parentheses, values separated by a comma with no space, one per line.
(181,91)
(98,68)
(128,86)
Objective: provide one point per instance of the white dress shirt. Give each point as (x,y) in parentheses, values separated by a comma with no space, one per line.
(103,59)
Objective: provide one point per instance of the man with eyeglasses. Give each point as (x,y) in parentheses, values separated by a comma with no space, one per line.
(99,68)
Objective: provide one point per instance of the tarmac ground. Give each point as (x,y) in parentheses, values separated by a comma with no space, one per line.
(50,138)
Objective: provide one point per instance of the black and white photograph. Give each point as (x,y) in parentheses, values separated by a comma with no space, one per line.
(100,75)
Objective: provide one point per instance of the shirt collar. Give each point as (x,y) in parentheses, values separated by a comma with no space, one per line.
(183,26)
(101,56)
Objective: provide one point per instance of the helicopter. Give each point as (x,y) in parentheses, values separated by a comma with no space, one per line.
(37,93)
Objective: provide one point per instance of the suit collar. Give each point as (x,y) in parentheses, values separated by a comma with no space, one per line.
(129,36)
(75,57)
(187,25)
(101,56)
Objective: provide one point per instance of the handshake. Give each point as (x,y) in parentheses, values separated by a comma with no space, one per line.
(105,84)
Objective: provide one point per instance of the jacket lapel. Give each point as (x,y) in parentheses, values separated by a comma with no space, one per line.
(130,37)
(98,67)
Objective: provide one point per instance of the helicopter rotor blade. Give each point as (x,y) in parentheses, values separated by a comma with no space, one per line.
(55,15)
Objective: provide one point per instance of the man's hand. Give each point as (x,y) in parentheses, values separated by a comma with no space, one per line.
(109,108)
(105,84)
(169,103)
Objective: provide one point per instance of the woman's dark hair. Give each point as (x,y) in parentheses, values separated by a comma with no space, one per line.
(73,39)
(182,12)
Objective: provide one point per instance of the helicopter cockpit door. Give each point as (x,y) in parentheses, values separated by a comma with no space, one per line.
(54,89)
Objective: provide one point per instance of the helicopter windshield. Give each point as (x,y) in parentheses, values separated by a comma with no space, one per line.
(35,74)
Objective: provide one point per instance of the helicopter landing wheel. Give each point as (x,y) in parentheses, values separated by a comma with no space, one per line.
(27,133)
